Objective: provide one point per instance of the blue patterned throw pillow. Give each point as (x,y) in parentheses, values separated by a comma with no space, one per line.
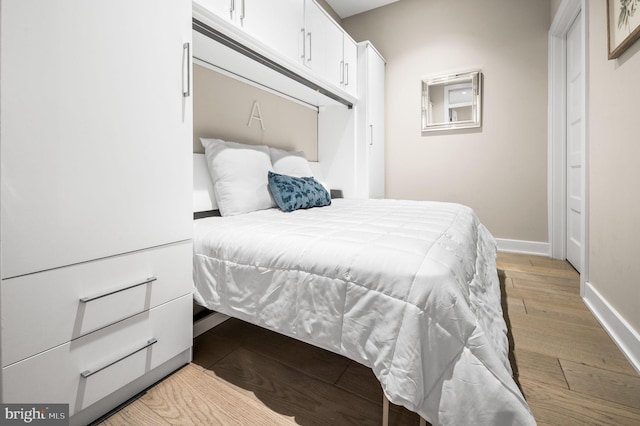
(293,193)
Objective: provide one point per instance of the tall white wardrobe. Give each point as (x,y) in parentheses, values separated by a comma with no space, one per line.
(95,231)
(371,139)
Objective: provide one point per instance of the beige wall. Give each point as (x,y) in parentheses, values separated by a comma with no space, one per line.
(614,151)
(500,170)
(555,4)
(222,108)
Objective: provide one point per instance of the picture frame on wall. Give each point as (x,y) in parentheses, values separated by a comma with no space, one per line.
(623,25)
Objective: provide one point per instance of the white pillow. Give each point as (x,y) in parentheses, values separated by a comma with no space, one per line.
(240,176)
(204,198)
(290,163)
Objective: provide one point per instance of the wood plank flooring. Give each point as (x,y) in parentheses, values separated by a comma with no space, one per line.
(570,371)
(568,368)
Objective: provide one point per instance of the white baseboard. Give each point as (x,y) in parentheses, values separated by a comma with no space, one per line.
(523,247)
(207,323)
(627,339)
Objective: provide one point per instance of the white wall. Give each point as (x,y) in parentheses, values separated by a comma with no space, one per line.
(499,170)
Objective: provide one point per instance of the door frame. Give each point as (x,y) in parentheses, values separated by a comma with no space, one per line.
(557,143)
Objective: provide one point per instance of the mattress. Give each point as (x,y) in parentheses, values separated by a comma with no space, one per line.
(407,288)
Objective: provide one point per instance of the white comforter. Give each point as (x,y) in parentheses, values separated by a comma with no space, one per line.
(407,288)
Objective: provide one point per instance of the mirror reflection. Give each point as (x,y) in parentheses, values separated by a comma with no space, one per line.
(451,101)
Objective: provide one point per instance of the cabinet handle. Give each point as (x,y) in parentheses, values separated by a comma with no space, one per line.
(99,296)
(341,72)
(310,49)
(186,51)
(232,7)
(242,15)
(346,73)
(371,139)
(88,373)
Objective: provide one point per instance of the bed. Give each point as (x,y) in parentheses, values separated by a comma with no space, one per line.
(407,288)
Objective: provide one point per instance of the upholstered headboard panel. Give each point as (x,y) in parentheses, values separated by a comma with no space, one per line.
(229,109)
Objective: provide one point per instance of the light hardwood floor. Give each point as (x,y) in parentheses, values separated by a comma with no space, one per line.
(568,368)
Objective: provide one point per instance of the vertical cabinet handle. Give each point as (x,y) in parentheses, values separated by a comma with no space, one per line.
(371,139)
(242,14)
(310,49)
(232,7)
(186,77)
(346,72)
(88,373)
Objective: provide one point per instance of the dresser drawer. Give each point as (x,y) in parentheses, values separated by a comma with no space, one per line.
(47,309)
(86,370)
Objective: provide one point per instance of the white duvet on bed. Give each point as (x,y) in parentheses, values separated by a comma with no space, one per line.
(407,288)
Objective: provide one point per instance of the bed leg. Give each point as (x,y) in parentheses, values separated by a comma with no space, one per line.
(385,413)
(385,410)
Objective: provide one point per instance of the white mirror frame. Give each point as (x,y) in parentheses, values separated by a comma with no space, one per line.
(474,80)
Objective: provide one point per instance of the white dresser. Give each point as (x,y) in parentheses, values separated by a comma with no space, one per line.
(95,231)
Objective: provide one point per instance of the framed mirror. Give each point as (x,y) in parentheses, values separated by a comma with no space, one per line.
(452,101)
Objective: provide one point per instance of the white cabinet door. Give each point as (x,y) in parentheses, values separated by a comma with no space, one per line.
(322,44)
(375,114)
(276,23)
(350,64)
(223,8)
(96,132)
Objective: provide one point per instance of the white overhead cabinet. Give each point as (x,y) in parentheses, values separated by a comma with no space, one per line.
(298,30)
(276,23)
(96,199)
(328,50)
(323,40)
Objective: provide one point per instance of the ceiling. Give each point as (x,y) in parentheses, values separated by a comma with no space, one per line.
(346,8)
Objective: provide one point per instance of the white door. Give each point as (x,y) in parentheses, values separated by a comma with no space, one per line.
(575,143)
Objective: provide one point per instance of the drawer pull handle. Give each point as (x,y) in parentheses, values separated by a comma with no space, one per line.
(88,373)
(99,296)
